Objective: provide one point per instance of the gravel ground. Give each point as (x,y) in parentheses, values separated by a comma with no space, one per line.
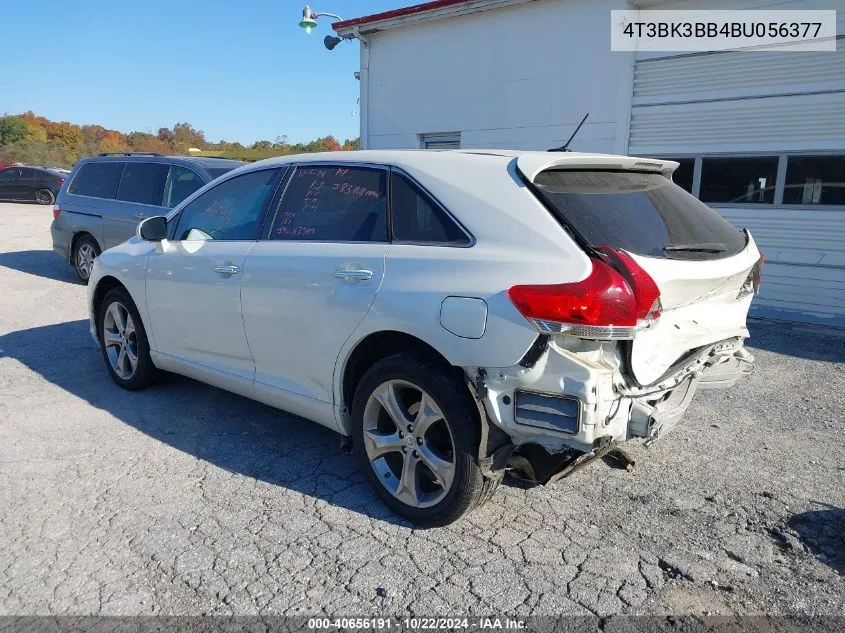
(183,499)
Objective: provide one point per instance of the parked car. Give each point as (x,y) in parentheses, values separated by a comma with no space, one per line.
(455,314)
(31,184)
(107,195)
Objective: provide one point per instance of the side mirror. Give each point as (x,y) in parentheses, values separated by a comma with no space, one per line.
(153,229)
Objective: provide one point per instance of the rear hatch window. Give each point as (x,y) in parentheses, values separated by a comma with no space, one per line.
(642,213)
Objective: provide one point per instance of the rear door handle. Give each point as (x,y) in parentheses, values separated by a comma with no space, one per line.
(358,274)
(227,270)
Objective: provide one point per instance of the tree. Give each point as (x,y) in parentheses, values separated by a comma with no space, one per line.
(65,134)
(186,137)
(263,145)
(351,144)
(12,130)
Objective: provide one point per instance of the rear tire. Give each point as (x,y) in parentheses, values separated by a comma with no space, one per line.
(85,251)
(44,196)
(420,457)
(123,341)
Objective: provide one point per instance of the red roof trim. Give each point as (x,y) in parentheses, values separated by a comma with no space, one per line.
(397,13)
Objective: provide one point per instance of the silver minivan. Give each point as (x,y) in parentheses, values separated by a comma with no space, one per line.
(105,196)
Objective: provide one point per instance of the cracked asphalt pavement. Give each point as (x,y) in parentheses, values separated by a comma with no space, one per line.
(184,499)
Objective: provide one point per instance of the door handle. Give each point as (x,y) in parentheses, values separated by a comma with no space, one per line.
(357,274)
(140,216)
(227,270)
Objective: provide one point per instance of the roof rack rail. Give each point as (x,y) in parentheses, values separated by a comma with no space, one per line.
(129,154)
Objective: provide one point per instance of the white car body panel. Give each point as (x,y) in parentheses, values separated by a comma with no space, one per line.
(206,329)
(297,313)
(283,330)
(700,306)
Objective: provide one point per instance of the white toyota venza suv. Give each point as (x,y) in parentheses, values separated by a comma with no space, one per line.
(455,314)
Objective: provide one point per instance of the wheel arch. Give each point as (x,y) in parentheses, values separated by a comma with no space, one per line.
(78,235)
(373,348)
(106,284)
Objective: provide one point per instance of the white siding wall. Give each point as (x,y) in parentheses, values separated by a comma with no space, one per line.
(747,103)
(519,77)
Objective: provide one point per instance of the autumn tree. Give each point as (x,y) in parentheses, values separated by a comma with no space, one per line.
(12,130)
(65,134)
(351,144)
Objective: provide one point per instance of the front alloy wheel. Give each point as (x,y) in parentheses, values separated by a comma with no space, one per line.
(409,443)
(121,341)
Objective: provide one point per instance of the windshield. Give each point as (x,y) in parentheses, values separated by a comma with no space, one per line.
(642,213)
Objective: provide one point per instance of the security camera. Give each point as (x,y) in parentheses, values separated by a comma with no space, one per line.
(330,41)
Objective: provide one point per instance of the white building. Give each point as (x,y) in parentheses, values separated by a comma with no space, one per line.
(522,74)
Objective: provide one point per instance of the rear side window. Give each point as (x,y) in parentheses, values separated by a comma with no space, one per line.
(143,183)
(417,218)
(643,213)
(98,180)
(333,204)
(181,182)
(230,211)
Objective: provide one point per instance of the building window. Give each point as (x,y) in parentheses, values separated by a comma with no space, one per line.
(441,140)
(682,176)
(815,180)
(740,180)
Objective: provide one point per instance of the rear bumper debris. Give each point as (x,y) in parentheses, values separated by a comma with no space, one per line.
(573,404)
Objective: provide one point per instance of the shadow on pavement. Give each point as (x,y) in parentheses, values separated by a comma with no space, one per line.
(40,263)
(823,532)
(228,431)
(795,339)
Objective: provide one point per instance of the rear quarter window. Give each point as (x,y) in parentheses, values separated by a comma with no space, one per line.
(97,180)
(642,213)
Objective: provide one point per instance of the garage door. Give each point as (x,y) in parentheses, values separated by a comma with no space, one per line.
(764,135)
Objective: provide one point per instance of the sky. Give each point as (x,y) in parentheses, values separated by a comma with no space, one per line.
(238,70)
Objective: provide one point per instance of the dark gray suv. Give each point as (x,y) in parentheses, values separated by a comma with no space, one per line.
(105,197)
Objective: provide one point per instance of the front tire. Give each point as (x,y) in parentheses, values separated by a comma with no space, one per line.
(416,433)
(85,251)
(123,341)
(44,196)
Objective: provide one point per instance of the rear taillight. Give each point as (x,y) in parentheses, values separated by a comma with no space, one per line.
(616,299)
(60,181)
(56,211)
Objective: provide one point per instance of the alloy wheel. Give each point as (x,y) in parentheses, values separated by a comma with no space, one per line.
(409,443)
(120,340)
(85,256)
(43,197)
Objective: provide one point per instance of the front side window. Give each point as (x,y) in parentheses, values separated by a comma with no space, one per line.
(740,180)
(181,182)
(230,211)
(815,180)
(142,183)
(417,218)
(98,180)
(333,204)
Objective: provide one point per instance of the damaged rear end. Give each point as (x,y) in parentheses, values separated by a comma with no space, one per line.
(620,354)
